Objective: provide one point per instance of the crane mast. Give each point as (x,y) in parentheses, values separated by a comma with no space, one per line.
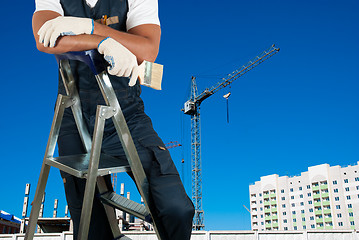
(192,107)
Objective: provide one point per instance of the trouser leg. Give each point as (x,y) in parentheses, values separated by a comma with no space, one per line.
(174,208)
(70,144)
(171,203)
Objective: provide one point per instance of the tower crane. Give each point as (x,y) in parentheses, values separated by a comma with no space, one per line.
(192,108)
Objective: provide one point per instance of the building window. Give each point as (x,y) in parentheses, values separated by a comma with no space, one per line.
(348,197)
(347,189)
(309,194)
(293,212)
(301,203)
(310,209)
(283,198)
(293,204)
(284,213)
(303,219)
(336,198)
(301,195)
(282,191)
(304,227)
(352,223)
(340,224)
(336,190)
(295,227)
(310,202)
(260,201)
(308,186)
(285,221)
(312,226)
(335,182)
(350,205)
(291,189)
(260,194)
(291,197)
(337,206)
(302,211)
(351,214)
(339,215)
(262,223)
(345,180)
(357,179)
(357,187)
(285,228)
(311,218)
(283,205)
(261,208)
(300,188)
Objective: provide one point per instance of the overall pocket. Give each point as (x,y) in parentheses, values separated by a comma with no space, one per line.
(161,153)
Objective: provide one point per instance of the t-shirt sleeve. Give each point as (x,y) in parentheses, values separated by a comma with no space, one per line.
(52,5)
(142,12)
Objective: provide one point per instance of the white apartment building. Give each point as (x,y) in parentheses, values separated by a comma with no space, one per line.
(324,197)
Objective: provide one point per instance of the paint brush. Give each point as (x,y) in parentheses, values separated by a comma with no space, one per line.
(151,74)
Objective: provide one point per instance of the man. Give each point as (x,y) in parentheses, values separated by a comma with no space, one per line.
(126,32)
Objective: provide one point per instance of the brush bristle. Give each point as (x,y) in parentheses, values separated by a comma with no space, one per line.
(152,75)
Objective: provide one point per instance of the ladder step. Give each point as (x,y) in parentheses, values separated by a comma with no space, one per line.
(124,204)
(77,165)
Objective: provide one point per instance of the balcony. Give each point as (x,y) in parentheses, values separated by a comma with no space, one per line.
(268,218)
(272,195)
(268,225)
(327,211)
(273,202)
(265,196)
(274,209)
(316,196)
(318,212)
(319,220)
(324,186)
(328,219)
(325,195)
(266,203)
(314,188)
(317,204)
(326,203)
(267,210)
(275,225)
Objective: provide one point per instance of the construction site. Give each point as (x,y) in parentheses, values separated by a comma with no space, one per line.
(256,123)
(130,217)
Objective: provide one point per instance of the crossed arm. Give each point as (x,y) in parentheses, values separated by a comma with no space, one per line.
(143,40)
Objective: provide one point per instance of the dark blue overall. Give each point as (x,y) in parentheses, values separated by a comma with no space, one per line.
(171,203)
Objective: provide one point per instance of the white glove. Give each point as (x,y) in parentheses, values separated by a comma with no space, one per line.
(122,62)
(60,26)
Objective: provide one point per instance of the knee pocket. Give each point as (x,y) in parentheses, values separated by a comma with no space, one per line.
(160,152)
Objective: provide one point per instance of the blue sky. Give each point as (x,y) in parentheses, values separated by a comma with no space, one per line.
(298,109)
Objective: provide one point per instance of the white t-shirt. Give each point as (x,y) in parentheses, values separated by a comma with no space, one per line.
(139,11)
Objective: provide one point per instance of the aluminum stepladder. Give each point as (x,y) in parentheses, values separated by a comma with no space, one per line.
(93,165)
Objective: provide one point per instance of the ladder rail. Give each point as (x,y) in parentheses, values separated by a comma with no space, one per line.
(60,106)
